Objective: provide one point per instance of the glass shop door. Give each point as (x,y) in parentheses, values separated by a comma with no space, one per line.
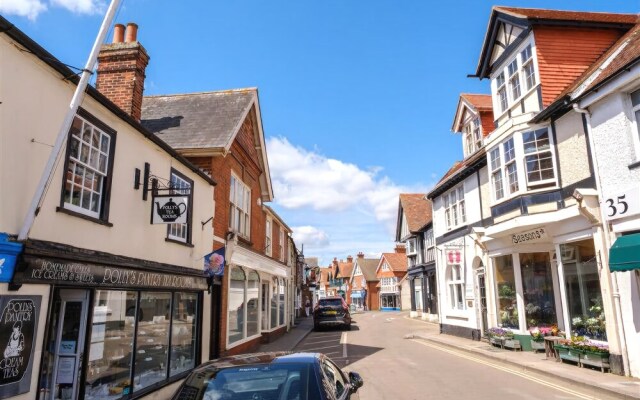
(68,337)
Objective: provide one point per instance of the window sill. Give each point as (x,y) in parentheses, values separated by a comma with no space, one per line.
(521,193)
(244,240)
(178,242)
(85,217)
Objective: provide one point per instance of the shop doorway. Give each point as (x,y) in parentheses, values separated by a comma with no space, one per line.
(482,289)
(66,340)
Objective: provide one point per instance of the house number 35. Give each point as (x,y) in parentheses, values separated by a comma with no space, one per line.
(615,207)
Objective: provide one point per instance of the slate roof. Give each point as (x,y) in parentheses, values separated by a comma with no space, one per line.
(312,262)
(368,267)
(417,210)
(197,120)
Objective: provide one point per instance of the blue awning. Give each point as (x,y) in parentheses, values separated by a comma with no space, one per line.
(356,295)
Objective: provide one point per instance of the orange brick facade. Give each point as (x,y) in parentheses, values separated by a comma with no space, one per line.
(242,161)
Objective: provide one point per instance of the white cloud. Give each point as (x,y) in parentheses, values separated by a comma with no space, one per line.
(304,179)
(24,8)
(311,236)
(82,6)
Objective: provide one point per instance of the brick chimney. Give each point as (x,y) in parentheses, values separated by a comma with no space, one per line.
(349,259)
(121,70)
(360,255)
(400,249)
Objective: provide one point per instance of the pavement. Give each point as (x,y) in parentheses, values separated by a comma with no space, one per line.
(586,378)
(288,341)
(591,379)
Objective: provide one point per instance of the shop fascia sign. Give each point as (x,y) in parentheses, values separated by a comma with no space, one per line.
(622,204)
(534,235)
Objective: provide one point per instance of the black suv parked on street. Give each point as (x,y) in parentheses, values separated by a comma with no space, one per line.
(331,311)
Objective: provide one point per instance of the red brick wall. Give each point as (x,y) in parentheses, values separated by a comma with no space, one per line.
(121,73)
(373,296)
(565,53)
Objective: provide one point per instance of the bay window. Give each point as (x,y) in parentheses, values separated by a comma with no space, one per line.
(517,78)
(514,80)
(529,71)
(538,157)
(472,135)
(496,173)
(522,162)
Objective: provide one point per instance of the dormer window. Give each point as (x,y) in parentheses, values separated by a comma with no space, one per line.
(472,135)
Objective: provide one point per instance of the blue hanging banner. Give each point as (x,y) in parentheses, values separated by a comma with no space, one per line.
(214,263)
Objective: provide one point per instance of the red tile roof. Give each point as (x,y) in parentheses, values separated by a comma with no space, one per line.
(561,15)
(479,101)
(417,210)
(345,269)
(397,261)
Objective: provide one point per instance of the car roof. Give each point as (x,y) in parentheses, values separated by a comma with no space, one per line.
(331,298)
(260,358)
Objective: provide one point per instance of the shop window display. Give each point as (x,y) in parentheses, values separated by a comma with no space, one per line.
(274,303)
(183,332)
(162,323)
(506,289)
(537,286)
(237,300)
(582,285)
(281,301)
(253,289)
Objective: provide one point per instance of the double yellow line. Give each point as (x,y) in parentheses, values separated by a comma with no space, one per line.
(508,370)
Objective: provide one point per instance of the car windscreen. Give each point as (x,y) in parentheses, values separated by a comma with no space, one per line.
(290,381)
(330,303)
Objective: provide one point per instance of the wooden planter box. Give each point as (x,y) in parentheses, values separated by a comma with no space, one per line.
(537,345)
(600,360)
(567,353)
(512,344)
(496,340)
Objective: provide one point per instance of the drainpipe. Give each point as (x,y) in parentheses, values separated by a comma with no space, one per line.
(622,340)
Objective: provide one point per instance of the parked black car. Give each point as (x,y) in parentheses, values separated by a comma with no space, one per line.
(331,311)
(270,376)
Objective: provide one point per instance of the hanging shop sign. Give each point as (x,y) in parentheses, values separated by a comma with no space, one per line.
(454,256)
(214,266)
(531,236)
(18,328)
(169,209)
(51,271)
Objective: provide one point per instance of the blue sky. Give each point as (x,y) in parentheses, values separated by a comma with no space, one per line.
(357,96)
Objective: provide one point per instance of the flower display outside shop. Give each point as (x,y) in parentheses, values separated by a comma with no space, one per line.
(538,333)
(586,345)
(500,333)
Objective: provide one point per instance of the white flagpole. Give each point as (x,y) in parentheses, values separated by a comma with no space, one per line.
(78,96)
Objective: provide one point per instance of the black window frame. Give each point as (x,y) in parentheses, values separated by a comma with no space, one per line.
(189,239)
(103,217)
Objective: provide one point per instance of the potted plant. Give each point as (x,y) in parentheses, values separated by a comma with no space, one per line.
(511,342)
(497,335)
(537,337)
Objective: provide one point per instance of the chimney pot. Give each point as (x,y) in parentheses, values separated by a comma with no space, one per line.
(118,33)
(131,34)
(360,255)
